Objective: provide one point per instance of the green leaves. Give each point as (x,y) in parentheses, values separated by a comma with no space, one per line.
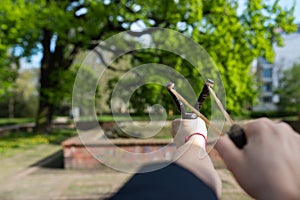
(288,90)
(233,40)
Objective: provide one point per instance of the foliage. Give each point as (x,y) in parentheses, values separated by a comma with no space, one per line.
(61,29)
(22,99)
(272,114)
(233,40)
(11,33)
(288,90)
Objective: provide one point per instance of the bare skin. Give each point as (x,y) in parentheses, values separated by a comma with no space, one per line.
(192,154)
(268,167)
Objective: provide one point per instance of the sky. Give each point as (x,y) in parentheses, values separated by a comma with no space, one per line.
(283,3)
(288,4)
(35,60)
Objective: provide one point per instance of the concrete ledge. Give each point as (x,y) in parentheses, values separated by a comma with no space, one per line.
(86,151)
(76,141)
(17,127)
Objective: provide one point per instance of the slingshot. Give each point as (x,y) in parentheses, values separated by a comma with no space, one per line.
(236,132)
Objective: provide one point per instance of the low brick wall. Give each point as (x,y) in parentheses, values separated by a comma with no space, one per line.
(88,156)
(87,151)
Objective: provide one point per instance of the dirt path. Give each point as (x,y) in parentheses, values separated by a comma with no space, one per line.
(20,180)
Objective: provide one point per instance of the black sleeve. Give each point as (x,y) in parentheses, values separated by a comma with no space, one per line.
(171,182)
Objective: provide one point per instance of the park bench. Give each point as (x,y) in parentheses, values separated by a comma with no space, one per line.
(16,127)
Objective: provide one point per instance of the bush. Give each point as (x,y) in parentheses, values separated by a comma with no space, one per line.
(272,114)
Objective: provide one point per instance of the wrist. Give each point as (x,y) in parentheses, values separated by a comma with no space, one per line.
(198,139)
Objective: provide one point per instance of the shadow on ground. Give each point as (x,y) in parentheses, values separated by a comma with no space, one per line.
(54,161)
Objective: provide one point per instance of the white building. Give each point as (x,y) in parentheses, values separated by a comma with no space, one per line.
(269,73)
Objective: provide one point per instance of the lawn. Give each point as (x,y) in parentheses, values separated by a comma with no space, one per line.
(11,121)
(19,141)
(109,118)
(15,142)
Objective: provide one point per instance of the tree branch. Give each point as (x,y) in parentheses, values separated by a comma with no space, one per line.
(140,33)
(104,62)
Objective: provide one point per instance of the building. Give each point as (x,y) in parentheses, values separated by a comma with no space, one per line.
(269,73)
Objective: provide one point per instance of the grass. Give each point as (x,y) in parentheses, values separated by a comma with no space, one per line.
(15,142)
(19,141)
(12,121)
(139,130)
(165,133)
(108,118)
(290,118)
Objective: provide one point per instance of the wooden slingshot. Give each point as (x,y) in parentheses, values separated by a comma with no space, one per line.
(236,132)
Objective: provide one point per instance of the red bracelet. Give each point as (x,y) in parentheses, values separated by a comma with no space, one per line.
(189,136)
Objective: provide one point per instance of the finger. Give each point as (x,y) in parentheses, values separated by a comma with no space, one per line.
(231,155)
(175,126)
(189,126)
(258,126)
(200,126)
(285,128)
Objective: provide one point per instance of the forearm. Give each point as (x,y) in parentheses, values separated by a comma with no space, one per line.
(194,158)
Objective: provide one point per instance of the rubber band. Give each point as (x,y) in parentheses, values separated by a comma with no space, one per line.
(189,136)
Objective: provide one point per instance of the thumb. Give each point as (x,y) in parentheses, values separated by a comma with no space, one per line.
(231,155)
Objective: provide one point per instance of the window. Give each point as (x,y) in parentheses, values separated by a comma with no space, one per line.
(267,87)
(263,61)
(267,99)
(267,73)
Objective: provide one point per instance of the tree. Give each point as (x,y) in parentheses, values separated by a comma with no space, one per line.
(233,41)
(288,90)
(11,34)
(22,99)
(61,29)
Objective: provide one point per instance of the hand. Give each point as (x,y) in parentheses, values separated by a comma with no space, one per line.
(192,154)
(181,128)
(268,167)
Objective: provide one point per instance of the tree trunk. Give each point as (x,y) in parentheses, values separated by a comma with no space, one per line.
(50,95)
(46,104)
(45,115)
(11,107)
